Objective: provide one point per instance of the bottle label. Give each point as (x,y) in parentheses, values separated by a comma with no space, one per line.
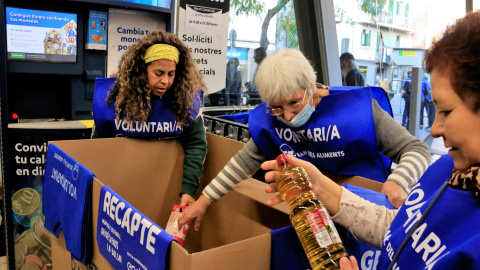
(323,227)
(172,225)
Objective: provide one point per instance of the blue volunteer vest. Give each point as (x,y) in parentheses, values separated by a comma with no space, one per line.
(448,238)
(160,125)
(377,93)
(340,136)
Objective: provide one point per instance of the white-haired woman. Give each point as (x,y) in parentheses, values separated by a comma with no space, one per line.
(341,133)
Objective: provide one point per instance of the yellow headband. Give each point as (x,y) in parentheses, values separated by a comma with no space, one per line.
(161,51)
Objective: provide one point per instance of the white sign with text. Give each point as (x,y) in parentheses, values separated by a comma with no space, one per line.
(203,26)
(127,27)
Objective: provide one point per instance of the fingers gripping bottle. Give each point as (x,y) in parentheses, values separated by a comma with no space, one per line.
(311,221)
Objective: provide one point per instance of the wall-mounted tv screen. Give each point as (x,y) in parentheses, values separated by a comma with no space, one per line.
(42,36)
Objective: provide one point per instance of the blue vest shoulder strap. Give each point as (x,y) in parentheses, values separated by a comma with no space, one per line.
(377,93)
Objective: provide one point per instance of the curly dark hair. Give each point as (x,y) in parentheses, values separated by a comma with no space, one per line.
(131,93)
(456,54)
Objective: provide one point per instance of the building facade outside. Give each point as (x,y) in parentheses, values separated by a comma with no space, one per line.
(385,44)
(392,40)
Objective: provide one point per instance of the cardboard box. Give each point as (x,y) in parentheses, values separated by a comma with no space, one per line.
(235,230)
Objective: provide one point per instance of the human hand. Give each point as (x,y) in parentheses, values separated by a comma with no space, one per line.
(395,193)
(195,210)
(186,200)
(324,188)
(348,263)
(275,170)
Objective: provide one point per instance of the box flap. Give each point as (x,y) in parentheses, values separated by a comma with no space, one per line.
(179,257)
(253,253)
(236,217)
(220,151)
(255,190)
(356,181)
(132,166)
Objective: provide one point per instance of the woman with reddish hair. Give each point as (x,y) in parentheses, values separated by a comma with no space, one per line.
(437,226)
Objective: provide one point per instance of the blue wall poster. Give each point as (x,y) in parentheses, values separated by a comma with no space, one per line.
(97,30)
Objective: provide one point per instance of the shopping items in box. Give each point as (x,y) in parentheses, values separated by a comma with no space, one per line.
(67,195)
(172,225)
(126,238)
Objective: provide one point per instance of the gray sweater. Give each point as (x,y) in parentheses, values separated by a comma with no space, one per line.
(395,142)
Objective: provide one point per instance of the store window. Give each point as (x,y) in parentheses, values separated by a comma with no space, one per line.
(403,24)
(345,45)
(366,36)
(390,11)
(379,47)
(244,47)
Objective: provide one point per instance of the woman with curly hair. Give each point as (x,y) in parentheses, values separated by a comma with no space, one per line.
(156,95)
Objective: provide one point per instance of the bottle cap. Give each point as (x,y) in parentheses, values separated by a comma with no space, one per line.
(281,159)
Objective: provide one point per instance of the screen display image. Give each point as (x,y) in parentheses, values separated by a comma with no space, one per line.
(43,36)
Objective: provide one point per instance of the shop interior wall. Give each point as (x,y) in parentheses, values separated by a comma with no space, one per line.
(36,90)
(56,90)
(4,122)
(44,90)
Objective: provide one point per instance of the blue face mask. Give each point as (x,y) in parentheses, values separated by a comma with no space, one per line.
(301,118)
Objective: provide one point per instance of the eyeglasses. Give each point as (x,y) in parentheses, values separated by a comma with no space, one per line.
(291,106)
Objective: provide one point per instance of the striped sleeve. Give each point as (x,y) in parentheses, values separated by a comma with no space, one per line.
(395,142)
(411,167)
(240,167)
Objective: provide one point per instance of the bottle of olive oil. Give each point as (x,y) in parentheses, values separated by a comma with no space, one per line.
(311,221)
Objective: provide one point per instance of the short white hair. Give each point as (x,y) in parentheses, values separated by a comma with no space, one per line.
(282,74)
